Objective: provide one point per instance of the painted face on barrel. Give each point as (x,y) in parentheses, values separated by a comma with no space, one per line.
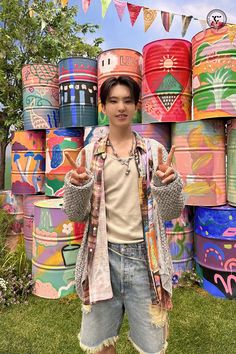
(120,106)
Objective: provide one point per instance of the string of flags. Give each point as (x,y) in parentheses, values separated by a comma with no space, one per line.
(149,15)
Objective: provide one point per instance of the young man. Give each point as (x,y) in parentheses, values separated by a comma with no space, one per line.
(124,188)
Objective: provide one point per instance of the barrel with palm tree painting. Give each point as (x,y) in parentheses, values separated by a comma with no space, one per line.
(214,73)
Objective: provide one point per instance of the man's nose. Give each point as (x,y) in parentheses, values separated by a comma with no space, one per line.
(121,105)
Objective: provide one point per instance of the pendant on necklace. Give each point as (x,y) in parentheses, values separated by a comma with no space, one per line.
(127,172)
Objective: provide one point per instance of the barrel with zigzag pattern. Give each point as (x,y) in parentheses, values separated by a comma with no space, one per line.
(56,241)
(167,81)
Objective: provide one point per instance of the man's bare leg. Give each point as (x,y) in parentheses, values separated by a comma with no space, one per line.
(108,350)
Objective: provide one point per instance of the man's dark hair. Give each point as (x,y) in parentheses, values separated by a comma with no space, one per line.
(120,80)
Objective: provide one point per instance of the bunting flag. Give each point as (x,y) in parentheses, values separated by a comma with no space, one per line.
(31,12)
(43,25)
(203,24)
(120,7)
(231,32)
(105,4)
(167,19)
(85,5)
(185,23)
(148,16)
(64,3)
(134,11)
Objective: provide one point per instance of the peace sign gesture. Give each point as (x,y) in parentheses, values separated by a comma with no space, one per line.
(79,174)
(164,170)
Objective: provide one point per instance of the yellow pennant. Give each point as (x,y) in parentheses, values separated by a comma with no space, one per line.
(105,4)
(148,16)
(64,3)
(231,32)
(31,12)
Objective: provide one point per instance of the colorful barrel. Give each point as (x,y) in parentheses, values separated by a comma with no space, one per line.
(7,174)
(215,238)
(167,81)
(40,96)
(57,165)
(231,162)
(159,132)
(119,62)
(214,73)
(28,162)
(78,92)
(28,210)
(200,160)
(13,205)
(180,239)
(56,242)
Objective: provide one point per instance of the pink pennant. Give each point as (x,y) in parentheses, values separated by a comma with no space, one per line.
(120,7)
(85,5)
(167,19)
(134,11)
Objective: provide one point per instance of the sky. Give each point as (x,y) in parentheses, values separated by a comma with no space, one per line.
(120,34)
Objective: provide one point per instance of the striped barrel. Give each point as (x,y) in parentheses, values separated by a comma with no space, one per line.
(56,241)
(214,73)
(78,92)
(28,210)
(118,62)
(231,162)
(180,239)
(40,96)
(13,205)
(59,141)
(200,160)
(167,81)
(215,243)
(28,162)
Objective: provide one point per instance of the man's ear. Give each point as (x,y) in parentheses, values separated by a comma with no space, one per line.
(104,109)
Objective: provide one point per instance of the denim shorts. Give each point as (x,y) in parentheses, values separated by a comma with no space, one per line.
(131,295)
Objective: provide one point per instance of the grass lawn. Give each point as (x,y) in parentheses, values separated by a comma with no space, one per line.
(199,324)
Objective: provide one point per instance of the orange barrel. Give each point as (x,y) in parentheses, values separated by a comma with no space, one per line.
(214,73)
(215,243)
(57,165)
(78,92)
(167,81)
(28,162)
(56,241)
(13,205)
(200,160)
(40,96)
(28,210)
(119,62)
(231,162)
(180,239)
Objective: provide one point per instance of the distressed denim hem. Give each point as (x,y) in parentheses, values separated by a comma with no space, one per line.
(98,348)
(162,351)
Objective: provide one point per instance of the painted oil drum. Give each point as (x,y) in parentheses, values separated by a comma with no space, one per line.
(167,81)
(28,162)
(78,92)
(57,165)
(231,162)
(200,160)
(180,239)
(159,132)
(28,210)
(214,73)
(40,96)
(56,242)
(7,174)
(119,62)
(215,243)
(13,205)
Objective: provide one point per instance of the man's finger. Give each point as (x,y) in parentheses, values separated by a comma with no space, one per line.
(160,159)
(170,156)
(71,161)
(83,159)
(168,179)
(169,171)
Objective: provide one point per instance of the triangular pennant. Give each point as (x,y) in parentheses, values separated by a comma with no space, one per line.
(64,3)
(167,19)
(31,12)
(203,24)
(148,17)
(85,5)
(134,11)
(120,7)
(231,32)
(105,4)
(43,25)
(185,23)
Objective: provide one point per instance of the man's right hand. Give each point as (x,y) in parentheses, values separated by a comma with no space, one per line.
(79,175)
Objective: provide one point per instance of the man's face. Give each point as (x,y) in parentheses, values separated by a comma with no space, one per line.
(120,107)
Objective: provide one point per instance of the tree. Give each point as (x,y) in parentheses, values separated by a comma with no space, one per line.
(34,32)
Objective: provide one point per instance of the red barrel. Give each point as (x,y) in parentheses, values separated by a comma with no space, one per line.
(166,85)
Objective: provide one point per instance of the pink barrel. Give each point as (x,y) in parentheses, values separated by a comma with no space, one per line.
(180,239)
(231,162)
(13,205)
(28,210)
(166,85)
(200,160)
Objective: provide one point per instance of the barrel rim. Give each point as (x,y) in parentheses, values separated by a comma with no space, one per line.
(50,203)
(48,64)
(75,57)
(167,39)
(118,48)
(209,28)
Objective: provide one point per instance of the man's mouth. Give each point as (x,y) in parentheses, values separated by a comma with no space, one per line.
(121,115)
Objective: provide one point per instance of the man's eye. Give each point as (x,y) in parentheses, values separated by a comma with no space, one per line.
(112,101)
(128,101)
